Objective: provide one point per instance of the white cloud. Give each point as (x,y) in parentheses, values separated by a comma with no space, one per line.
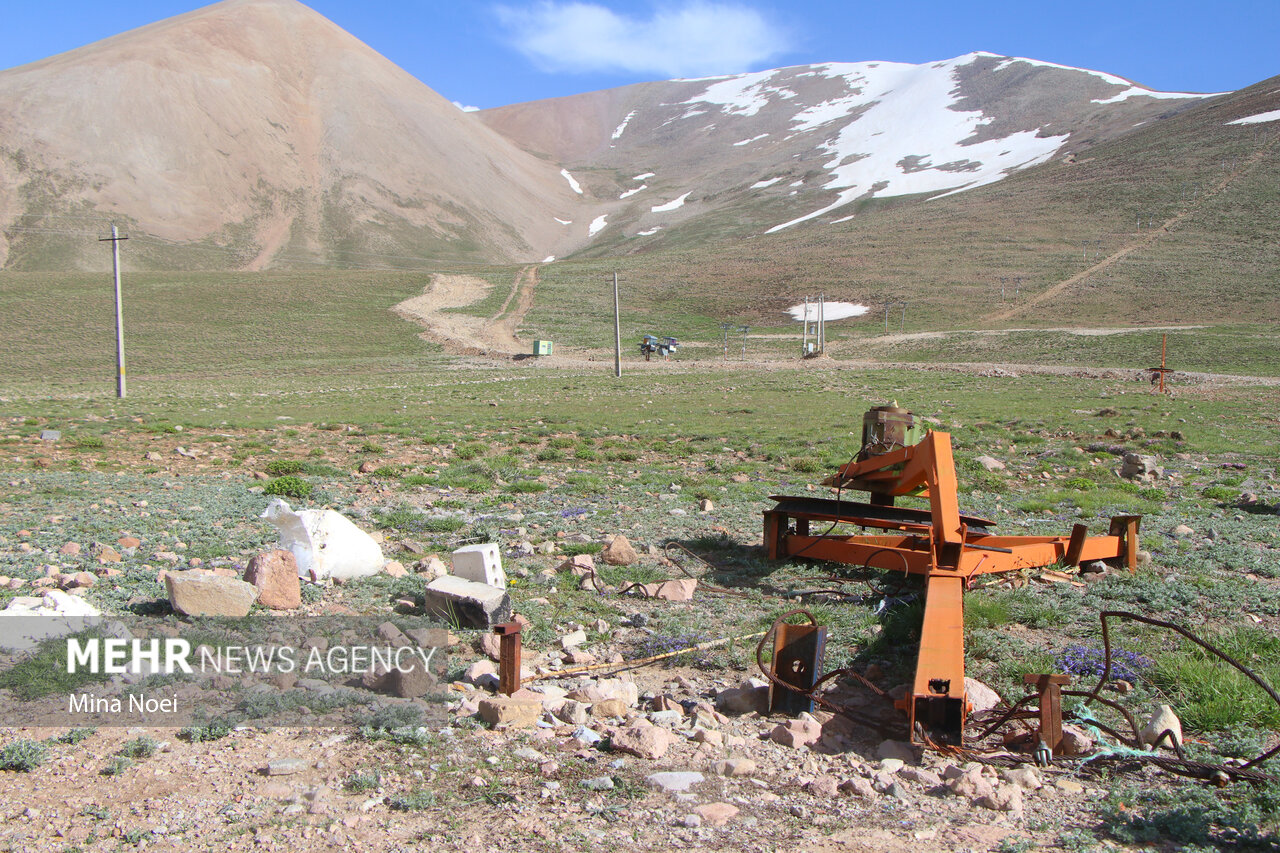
(694,39)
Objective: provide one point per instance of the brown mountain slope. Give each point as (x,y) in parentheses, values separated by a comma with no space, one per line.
(264,133)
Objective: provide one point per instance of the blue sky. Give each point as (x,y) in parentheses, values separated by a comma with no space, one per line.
(487,54)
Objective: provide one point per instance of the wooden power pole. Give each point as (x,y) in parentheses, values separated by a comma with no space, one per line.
(114,240)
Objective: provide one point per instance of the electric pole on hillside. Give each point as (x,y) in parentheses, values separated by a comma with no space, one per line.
(114,240)
(617,330)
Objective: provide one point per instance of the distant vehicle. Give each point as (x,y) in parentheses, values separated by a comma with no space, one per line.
(665,347)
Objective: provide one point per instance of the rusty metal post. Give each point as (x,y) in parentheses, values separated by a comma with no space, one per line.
(798,651)
(1075,545)
(508,657)
(1050,689)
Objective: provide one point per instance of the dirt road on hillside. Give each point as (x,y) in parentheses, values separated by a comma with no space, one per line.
(494,337)
(466,334)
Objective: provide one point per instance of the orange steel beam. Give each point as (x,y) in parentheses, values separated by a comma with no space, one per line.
(946,551)
(937,697)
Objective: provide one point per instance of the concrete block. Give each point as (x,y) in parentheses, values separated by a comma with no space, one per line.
(480,563)
(467,604)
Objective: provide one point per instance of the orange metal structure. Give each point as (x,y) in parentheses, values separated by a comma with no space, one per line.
(947,548)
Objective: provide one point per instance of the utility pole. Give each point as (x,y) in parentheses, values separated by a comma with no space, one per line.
(617,330)
(822,322)
(744,330)
(804,339)
(114,240)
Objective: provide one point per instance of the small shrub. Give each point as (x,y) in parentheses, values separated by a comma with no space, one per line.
(283,467)
(74,736)
(212,730)
(142,746)
(470,450)
(416,800)
(23,756)
(117,765)
(1080,484)
(365,780)
(89,442)
(525,487)
(1221,494)
(371,448)
(289,486)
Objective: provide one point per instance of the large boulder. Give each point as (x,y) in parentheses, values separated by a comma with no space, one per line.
(195,593)
(275,574)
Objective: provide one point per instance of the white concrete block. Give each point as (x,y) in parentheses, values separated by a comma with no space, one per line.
(481,564)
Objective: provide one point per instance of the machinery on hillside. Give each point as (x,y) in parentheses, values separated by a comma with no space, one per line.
(665,347)
(945,547)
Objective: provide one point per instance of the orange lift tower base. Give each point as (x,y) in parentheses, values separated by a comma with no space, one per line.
(947,548)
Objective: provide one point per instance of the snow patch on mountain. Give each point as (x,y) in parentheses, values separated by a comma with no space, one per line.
(741,94)
(674,204)
(767,182)
(1260,118)
(830,311)
(597,225)
(751,140)
(622,127)
(891,148)
(630,193)
(642,177)
(1108,78)
(1140,92)
(573,184)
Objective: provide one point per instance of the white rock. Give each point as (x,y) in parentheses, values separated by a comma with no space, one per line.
(1161,719)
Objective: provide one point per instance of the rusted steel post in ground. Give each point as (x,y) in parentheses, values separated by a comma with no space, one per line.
(508,657)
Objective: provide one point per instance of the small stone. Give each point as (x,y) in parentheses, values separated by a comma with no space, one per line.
(510,711)
(734,767)
(1006,799)
(609,708)
(599,783)
(982,697)
(858,787)
(619,552)
(797,733)
(395,569)
(478,671)
(286,766)
(897,749)
(104,553)
(743,700)
(716,814)
(1161,720)
(647,741)
(709,737)
(70,549)
(1026,778)
(690,821)
(1075,741)
(673,781)
(921,776)
(824,786)
(1069,786)
(1182,531)
(576,638)
(990,463)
